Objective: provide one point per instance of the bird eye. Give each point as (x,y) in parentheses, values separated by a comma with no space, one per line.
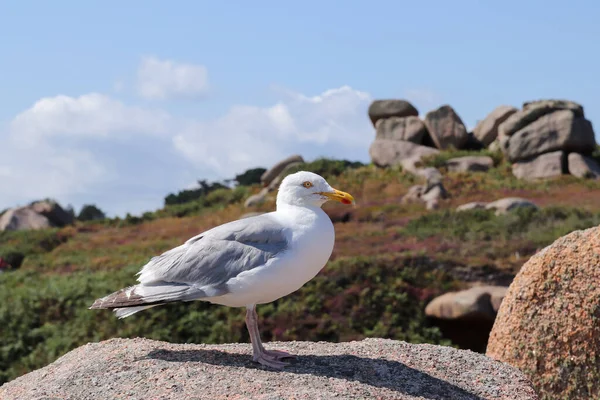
(307,184)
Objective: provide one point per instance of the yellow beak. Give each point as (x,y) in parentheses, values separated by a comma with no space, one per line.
(338,195)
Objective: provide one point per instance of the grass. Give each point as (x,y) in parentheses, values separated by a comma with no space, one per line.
(389,260)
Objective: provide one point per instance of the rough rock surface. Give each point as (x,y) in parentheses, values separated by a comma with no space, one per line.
(387,108)
(545,166)
(446,128)
(429,193)
(411,129)
(474,205)
(466,317)
(533,110)
(476,302)
(560,130)
(57,215)
(486,130)
(369,369)
(548,324)
(506,204)
(470,164)
(387,153)
(22,218)
(582,166)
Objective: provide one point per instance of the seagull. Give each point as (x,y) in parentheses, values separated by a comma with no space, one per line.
(245,262)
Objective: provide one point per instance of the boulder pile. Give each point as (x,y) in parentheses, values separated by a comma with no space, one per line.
(37,215)
(400,134)
(544,139)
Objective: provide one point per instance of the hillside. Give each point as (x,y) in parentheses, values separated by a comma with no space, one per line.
(390,259)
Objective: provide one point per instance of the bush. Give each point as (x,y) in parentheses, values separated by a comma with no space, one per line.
(539,226)
(439,160)
(250,177)
(326,167)
(42,317)
(185,196)
(89,212)
(12,257)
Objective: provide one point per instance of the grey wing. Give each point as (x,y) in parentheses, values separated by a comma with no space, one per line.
(207,261)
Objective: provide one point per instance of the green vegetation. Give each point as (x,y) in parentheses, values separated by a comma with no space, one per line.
(390,259)
(326,167)
(185,196)
(89,212)
(42,317)
(250,177)
(538,227)
(439,160)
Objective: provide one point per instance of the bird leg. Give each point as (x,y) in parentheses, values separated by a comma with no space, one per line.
(270,358)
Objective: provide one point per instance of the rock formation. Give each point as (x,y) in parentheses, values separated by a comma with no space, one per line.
(37,215)
(470,164)
(486,130)
(548,325)
(367,369)
(540,138)
(446,128)
(381,109)
(466,317)
(501,206)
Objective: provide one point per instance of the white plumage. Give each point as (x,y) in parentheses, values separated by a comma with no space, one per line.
(245,262)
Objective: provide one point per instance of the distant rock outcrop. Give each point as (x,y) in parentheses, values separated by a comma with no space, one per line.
(501,206)
(582,166)
(429,193)
(539,138)
(402,138)
(387,153)
(543,166)
(466,317)
(470,164)
(446,128)
(387,108)
(410,129)
(37,215)
(486,131)
(548,324)
(367,369)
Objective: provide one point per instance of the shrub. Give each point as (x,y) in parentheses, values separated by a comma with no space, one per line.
(439,160)
(42,317)
(326,167)
(185,196)
(89,212)
(250,177)
(539,226)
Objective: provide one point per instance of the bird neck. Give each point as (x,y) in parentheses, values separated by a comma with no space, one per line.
(285,206)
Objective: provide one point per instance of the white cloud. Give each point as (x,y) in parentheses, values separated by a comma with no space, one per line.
(34,172)
(124,158)
(89,115)
(163,79)
(333,123)
(65,147)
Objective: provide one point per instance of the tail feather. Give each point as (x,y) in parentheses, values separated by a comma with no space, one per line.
(141,296)
(128,311)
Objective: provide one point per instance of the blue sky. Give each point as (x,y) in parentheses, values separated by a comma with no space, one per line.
(120,103)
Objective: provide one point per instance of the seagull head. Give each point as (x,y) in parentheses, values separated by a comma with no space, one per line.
(308,189)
